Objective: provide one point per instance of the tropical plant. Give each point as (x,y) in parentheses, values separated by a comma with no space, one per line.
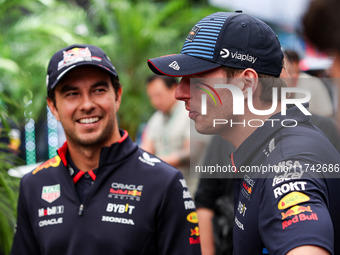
(130,31)
(8,190)
(8,185)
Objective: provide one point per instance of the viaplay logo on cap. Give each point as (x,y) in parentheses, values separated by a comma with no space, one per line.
(225,53)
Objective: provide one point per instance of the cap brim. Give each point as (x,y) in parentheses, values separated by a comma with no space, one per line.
(179,65)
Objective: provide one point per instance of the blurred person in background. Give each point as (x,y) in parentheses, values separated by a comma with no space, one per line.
(214,200)
(167,133)
(325,123)
(320,102)
(321,26)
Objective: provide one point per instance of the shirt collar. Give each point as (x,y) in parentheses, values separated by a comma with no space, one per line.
(261,136)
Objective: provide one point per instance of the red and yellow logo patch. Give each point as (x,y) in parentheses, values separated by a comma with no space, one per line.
(53,162)
(291,199)
(192,217)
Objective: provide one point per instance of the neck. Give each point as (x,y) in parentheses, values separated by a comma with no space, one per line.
(240,132)
(85,159)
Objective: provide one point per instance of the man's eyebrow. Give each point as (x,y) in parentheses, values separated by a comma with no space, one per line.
(199,81)
(69,87)
(100,83)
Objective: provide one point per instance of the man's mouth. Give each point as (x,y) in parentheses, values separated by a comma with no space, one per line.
(88,120)
(193,115)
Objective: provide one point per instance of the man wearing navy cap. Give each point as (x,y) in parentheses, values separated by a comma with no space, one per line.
(101,194)
(230,66)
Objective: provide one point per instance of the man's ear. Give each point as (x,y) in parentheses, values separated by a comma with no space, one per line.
(118,97)
(250,80)
(53,108)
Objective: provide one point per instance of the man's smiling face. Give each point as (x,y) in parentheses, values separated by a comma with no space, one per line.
(86,105)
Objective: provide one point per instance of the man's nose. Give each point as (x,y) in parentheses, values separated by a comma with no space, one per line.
(87,103)
(183,89)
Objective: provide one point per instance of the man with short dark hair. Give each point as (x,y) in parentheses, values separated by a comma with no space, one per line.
(167,133)
(101,194)
(321,23)
(230,66)
(320,102)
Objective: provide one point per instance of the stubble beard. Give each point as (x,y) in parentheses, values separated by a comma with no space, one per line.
(94,140)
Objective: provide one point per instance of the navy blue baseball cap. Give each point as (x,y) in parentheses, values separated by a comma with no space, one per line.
(232,39)
(73,56)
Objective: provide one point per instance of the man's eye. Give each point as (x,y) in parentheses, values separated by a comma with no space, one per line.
(197,83)
(71,94)
(99,90)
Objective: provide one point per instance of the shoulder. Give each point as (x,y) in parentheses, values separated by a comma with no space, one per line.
(306,140)
(150,163)
(43,170)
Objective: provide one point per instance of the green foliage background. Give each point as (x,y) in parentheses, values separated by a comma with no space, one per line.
(129,31)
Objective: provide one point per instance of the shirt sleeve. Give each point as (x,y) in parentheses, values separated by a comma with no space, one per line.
(24,242)
(210,189)
(294,212)
(177,228)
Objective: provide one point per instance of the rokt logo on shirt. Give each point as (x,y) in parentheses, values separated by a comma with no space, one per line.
(287,187)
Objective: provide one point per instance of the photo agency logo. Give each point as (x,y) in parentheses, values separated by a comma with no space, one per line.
(281,97)
(204,97)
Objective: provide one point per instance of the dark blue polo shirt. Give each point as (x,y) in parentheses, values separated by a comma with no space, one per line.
(279,210)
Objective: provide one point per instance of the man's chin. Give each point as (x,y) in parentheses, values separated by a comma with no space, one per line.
(88,140)
(204,129)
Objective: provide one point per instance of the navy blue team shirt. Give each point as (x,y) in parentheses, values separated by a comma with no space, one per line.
(136,204)
(294,205)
